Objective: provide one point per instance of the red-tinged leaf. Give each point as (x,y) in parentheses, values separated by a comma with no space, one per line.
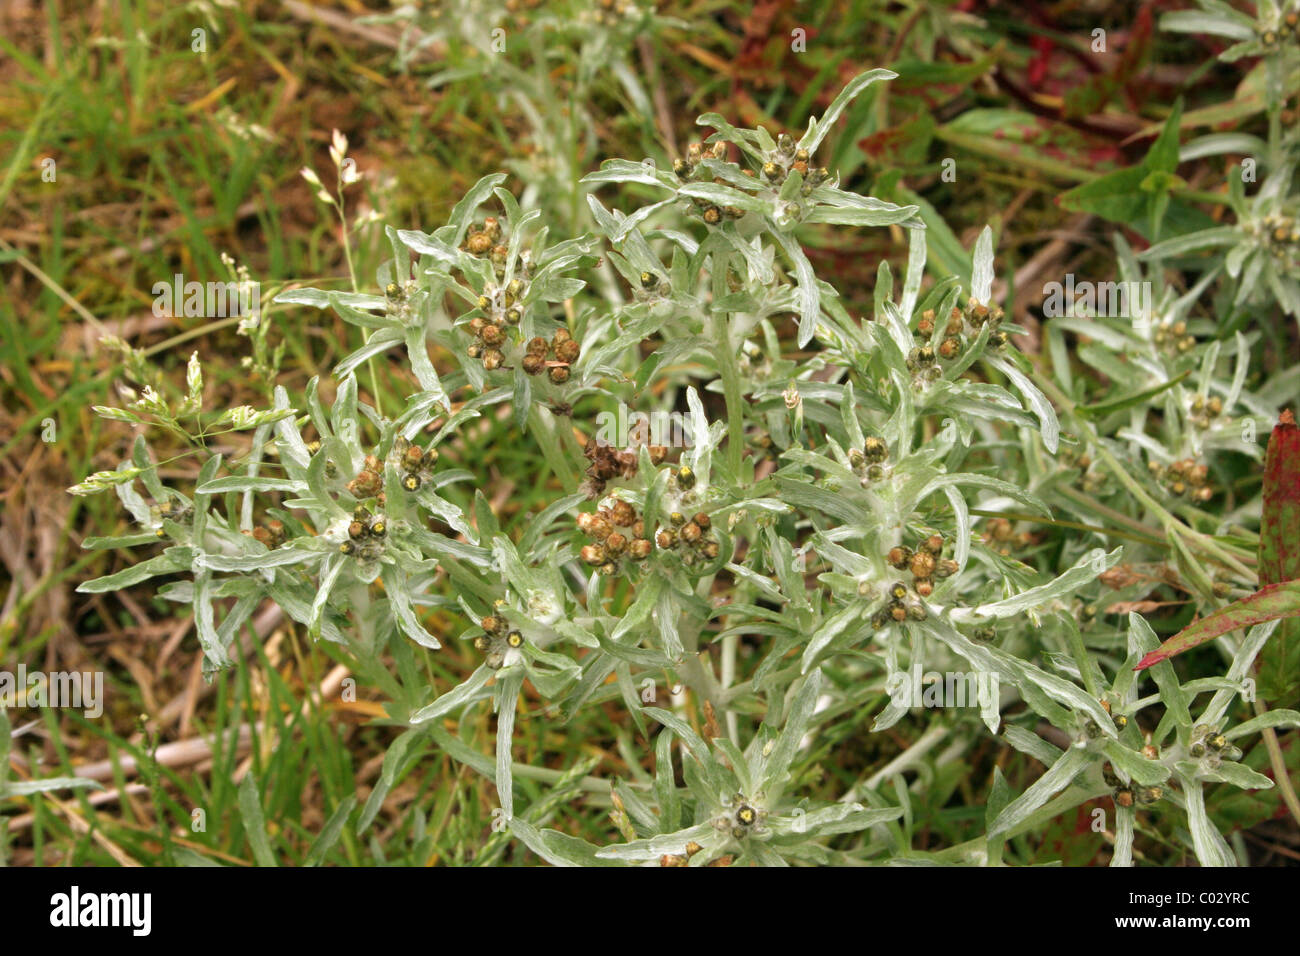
(1278,666)
(1279,535)
(1267,604)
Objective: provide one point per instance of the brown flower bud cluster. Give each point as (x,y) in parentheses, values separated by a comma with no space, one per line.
(1126,794)
(271,534)
(868,463)
(925,563)
(415,462)
(366,535)
(693,539)
(1205,411)
(369,482)
(1000,535)
(617,534)
(1091,479)
(608,463)
(960,327)
(562,347)
(491,330)
(789,158)
(1184,478)
(1173,337)
(651,285)
(609,13)
(485,239)
(1288,31)
(170,510)
(399,304)
(681,859)
(497,640)
(1280,235)
(690,167)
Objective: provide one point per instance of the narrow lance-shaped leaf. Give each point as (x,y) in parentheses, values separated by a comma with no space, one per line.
(1267,604)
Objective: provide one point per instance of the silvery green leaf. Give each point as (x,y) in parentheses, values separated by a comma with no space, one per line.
(627,171)
(984,481)
(724,196)
(818,128)
(981,281)
(1210,847)
(280,557)
(999,797)
(808,295)
(1238,776)
(119,541)
(640,609)
(1146,772)
(380,342)
(1216,144)
(704,438)
(26,788)
(1123,853)
(330,833)
(656,846)
(1037,401)
(399,600)
(243,483)
(804,495)
(508,685)
(829,629)
(1084,570)
(250,809)
(1057,778)
(463,212)
(418,352)
(1142,639)
(1192,242)
(1039,688)
(394,757)
(135,504)
(428,245)
(667,614)
(214,650)
(148,471)
(464,692)
(1289,719)
(961,513)
(916,253)
(556,848)
(778,762)
(1030,743)
(854,215)
(752,142)
(333,567)
(314,297)
(763,855)
(1199,21)
(159,564)
(838,818)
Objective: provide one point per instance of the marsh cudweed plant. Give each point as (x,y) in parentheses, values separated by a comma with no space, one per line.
(854,508)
